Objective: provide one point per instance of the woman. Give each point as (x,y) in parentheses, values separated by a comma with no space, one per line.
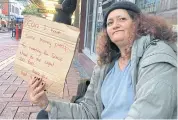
(136,73)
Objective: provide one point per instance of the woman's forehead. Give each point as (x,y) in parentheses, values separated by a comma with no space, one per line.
(117,13)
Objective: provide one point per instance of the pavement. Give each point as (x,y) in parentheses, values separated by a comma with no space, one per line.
(14,102)
(3,30)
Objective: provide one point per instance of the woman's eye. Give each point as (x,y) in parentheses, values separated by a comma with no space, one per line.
(109,23)
(122,19)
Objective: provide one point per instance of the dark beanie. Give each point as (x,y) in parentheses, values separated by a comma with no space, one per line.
(121,5)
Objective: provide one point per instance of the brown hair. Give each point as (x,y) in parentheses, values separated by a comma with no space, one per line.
(145,24)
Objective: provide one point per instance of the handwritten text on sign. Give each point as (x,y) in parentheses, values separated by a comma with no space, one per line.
(46,50)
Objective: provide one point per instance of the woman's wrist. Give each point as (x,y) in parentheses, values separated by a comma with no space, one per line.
(44,107)
(44,104)
(48,107)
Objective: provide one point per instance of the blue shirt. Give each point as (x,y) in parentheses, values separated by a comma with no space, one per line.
(117,93)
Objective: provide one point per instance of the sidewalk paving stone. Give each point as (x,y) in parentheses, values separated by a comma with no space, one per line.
(5,95)
(22,115)
(4,87)
(8,113)
(19,104)
(31,109)
(2,106)
(11,90)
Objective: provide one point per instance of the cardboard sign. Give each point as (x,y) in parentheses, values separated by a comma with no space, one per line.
(46,50)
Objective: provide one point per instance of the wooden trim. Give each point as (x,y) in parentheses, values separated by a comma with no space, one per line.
(82,25)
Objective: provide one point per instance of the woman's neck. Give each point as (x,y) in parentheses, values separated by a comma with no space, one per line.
(125,53)
(125,57)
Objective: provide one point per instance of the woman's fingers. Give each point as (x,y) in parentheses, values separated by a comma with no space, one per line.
(40,88)
(40,94)
(32,81)
(42,99)
(36,83)
(36,91)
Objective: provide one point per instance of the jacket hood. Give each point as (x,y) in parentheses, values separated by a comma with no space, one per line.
(155,50)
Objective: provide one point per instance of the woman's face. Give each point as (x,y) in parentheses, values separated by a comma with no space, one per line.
(120,27)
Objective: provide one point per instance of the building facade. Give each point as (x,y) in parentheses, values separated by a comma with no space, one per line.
(164,8)
(15,9)
(11,10)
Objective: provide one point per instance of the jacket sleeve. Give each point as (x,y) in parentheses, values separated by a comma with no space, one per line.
(69,6)
(86,109)
(156,95)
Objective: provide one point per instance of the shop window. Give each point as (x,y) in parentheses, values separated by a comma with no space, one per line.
(95,13)
(89,24)
(90,29)
(99,22)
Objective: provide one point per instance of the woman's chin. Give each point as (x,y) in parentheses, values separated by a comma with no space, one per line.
(117,39)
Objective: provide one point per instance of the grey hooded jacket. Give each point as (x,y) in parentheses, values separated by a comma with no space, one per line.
(154,77)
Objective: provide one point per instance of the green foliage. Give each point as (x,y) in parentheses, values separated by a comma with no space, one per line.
(31,10)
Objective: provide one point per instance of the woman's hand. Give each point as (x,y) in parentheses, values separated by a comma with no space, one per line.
(36,92)
(58,6)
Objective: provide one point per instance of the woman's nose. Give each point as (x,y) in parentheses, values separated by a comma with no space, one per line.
(116,25)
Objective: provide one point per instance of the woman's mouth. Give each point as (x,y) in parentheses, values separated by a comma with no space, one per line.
(117,31)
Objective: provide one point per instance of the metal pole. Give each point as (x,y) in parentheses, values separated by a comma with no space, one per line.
(8,16)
